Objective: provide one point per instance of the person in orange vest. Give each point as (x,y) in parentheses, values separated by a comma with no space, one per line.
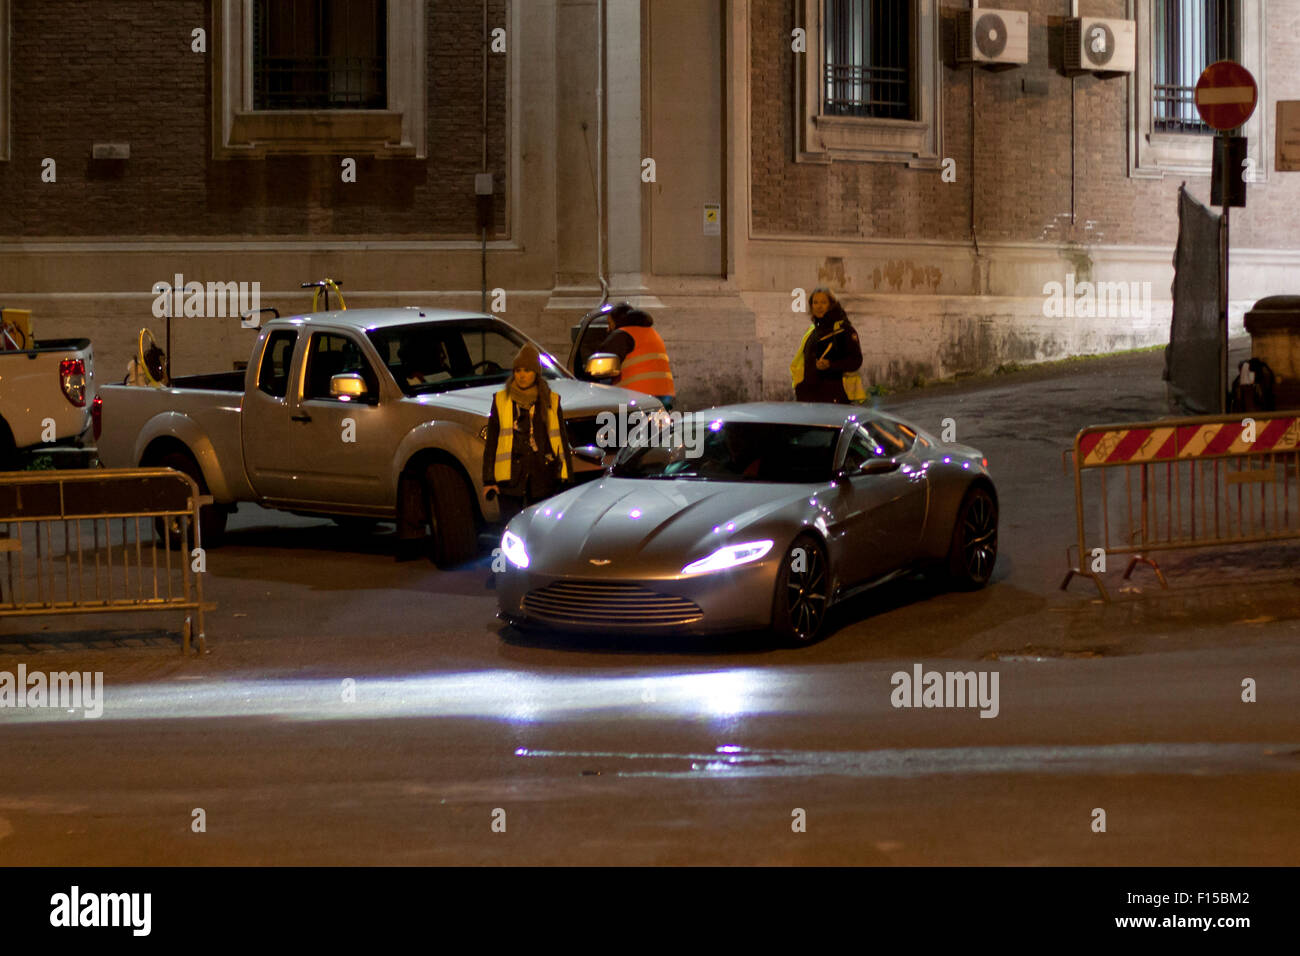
(526,458)
(645,366)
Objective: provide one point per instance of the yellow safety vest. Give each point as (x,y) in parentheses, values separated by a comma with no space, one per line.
(506,435)
(853,386)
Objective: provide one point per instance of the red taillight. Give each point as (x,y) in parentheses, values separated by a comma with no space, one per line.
(97,416)
(72,378)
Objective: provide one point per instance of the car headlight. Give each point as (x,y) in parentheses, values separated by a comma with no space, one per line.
(512,546)
(729,557)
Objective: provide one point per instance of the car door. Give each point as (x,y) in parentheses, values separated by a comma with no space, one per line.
(266,430)
(340,454)
(881,513)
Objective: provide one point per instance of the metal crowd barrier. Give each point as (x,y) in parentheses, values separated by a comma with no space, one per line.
(93,542)
(1184,483)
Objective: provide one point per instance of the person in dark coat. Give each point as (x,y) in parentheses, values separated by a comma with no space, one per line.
(527,457)
(825,369)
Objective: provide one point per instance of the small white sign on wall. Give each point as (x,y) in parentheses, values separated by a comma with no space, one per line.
(712,219)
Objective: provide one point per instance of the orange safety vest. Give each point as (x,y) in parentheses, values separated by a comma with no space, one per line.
(646,367)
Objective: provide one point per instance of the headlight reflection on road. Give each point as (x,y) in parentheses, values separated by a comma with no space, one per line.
(513,696)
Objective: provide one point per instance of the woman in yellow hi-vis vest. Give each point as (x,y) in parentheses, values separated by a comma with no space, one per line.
(825,369)
(526,457)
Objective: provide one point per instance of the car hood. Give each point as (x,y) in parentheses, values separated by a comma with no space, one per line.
(656,525)
(578,399)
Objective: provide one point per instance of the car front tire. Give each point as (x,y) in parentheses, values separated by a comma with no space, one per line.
(802,592)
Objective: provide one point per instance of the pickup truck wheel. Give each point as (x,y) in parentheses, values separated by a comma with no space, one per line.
(212,520)
(455,531)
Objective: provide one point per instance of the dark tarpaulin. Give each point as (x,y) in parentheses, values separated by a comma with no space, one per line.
(1194,357)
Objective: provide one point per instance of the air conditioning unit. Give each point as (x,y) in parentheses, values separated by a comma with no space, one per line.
(993,38)
(1094,45)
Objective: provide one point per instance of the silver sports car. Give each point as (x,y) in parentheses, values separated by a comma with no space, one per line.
(750,517)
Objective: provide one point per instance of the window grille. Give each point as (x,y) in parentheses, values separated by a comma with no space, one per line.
(869,58)
(1187,36)
(320,54)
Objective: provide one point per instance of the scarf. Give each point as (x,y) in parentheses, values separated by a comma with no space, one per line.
(523,397)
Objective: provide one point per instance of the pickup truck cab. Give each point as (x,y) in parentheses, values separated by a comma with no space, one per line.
(45,397)
(346,414)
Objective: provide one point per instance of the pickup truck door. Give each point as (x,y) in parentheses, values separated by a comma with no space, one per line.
(267,434)
(340,450)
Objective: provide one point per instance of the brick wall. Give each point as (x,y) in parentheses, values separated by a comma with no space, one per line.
(124,72)
(1021,176)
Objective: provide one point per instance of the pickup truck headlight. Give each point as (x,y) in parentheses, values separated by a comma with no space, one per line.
(512,546)
(729,557)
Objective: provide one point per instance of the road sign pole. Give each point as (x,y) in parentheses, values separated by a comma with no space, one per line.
(1223,310)
(1225,97)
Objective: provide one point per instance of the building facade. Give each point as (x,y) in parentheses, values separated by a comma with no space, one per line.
(707,158)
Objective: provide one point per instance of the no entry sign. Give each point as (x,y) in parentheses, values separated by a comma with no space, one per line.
(1226,95)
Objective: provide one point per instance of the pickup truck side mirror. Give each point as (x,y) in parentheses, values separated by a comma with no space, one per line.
(348,385)
(604,365)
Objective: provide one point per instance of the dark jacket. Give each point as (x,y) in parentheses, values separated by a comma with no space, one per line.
(845,355)
(534,475)
(620,342)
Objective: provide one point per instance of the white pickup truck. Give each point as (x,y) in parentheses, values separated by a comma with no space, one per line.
(363,415)
(45,397)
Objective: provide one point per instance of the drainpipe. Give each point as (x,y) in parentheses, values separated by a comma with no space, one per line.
(974,234)
(1074,12)
(601,42)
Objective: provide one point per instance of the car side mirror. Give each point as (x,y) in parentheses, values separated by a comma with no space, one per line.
(877,466)
(604,365)
(349,385)
(872,466)
(590,454)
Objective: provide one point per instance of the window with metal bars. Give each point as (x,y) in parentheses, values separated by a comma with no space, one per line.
(320,54)
(868,58)
(1187,36)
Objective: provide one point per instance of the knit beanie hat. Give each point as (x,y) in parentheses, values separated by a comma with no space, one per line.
(528,358)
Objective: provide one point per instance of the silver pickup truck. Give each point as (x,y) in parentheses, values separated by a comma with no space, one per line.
(345,414)
(45,396)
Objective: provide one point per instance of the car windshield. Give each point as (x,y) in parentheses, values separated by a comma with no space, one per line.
(444,356)
(694,447)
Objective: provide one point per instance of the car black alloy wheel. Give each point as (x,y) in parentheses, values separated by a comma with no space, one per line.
(803,588)
(975,539)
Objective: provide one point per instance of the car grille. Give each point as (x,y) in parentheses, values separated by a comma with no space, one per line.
(592,603)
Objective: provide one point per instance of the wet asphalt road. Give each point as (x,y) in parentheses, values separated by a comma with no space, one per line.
(357,710)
